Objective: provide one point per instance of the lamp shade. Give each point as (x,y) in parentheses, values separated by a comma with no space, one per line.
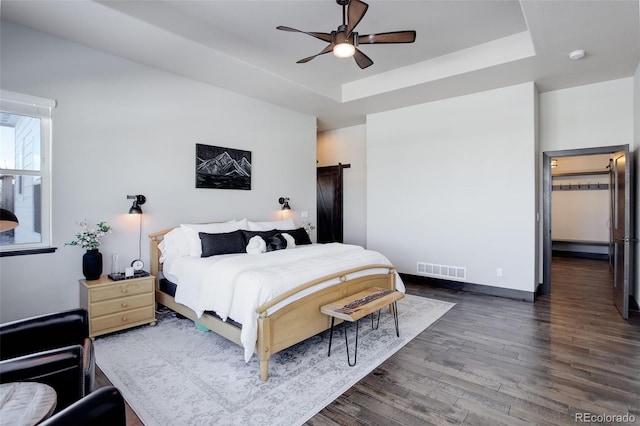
(137,201)
(135,209)
(8,220)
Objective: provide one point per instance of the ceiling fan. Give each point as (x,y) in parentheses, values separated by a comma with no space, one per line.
(344,41)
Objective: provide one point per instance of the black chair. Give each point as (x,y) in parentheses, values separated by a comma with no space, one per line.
(103,407)
(54,349)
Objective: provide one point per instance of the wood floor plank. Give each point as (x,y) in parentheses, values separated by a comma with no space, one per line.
(493,360)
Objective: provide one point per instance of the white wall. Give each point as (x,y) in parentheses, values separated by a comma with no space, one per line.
(348,146)
(123,128)
(453,182)
(590,116)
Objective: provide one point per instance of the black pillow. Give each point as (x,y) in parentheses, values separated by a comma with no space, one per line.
(299,235)
(222,243)
(263,234)
(276,242)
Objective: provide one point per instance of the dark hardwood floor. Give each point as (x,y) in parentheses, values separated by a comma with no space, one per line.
(494,361)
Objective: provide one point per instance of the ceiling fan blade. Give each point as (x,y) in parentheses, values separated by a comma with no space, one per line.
(362,60)
(392,37)
(355,13)
(322,36)
(327,49)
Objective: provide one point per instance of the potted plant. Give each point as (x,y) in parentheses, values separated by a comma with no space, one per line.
(90,239)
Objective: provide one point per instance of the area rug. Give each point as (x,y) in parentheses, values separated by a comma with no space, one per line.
(176,374)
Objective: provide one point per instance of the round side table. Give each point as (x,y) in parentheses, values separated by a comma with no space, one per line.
(26,403)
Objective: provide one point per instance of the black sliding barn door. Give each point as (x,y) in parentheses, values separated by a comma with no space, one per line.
(329,193)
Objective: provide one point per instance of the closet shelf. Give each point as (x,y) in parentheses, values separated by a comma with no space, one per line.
(582,173)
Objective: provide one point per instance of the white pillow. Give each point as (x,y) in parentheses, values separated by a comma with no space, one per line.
(256,245)
(291,242)
(174,244)
(282,225)
(191,232)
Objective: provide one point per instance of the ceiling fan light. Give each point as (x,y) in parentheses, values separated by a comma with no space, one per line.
(344,50)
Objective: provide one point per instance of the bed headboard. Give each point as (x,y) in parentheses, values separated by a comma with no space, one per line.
(154,251)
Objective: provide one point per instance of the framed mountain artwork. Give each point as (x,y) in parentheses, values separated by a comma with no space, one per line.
(222,168)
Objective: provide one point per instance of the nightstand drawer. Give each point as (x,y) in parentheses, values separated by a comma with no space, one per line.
(122,320)
(123,304)
(121,290)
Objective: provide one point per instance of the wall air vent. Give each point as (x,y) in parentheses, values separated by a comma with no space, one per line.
(457,273)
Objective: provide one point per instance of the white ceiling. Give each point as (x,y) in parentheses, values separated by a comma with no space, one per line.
(461,46)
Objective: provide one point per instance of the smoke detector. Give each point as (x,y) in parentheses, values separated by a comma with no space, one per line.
(576,54)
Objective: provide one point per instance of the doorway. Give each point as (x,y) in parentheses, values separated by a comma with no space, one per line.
(330,203)
(620,202)
(581,206)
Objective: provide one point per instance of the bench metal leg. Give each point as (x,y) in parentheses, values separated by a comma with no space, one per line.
(395,318)
(333,319)
(346,342)
(375,327)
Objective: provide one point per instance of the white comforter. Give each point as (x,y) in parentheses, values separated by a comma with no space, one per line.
(234,286)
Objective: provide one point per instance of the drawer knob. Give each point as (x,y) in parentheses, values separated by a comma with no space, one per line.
(124,319)
(124,305)
(124,290)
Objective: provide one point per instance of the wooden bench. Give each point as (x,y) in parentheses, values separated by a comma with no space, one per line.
(359,305)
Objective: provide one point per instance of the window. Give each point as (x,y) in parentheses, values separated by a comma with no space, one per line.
(25,170)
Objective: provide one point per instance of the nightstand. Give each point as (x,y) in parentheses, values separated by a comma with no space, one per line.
(118,305)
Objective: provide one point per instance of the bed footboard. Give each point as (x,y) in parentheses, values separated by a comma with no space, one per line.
(302,318)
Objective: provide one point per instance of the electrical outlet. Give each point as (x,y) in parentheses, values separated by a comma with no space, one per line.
(499,272)
(304,214)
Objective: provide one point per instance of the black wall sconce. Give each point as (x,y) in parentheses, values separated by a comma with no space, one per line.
(138,200)
(284,203)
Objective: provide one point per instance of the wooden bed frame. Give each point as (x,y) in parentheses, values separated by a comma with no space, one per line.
(290,324)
